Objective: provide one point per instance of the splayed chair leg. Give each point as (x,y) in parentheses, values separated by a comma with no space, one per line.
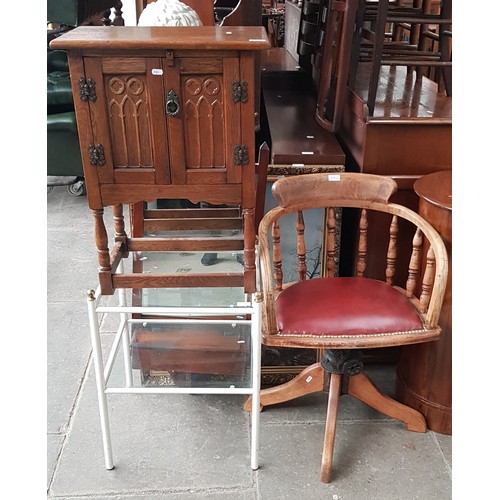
(362,388)
(330,427)
(309,380)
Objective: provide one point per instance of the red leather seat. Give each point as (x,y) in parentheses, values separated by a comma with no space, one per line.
(339,307)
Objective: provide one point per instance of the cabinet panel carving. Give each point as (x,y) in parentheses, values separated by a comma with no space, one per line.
(204,122)
(127,100)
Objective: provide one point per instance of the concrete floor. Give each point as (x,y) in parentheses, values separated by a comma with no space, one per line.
(198,446)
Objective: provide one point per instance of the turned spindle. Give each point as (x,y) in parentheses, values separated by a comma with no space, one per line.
(392,251)
(277,264)
(362,244)
(414,267)
(301,247)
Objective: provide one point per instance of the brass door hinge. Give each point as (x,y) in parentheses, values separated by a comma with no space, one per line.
(240,91)
(87,89)
(240,152)
(96,154)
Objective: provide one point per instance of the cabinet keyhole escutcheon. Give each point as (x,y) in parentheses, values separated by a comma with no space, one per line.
(173,106)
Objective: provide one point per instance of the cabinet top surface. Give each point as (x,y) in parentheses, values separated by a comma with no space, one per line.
(159,37)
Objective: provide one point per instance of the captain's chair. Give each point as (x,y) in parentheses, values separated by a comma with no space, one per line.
(344,315)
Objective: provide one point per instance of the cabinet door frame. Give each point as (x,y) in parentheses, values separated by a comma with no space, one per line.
(102,70)
(204,73)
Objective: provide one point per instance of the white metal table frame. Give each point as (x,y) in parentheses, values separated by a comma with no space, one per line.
(122,336)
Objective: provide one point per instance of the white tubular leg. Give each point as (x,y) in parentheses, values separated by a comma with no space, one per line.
(99,375)
(256,348)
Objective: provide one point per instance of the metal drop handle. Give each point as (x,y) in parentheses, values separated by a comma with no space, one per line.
(173,106)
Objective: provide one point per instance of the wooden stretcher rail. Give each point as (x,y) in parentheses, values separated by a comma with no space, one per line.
(184,213)
(191,224)
(184,244)
(193,280)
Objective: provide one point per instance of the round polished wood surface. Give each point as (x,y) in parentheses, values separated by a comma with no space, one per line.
(435,188)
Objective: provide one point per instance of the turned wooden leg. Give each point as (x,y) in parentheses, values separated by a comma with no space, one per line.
(362,388)
(249,273)
(101,239)
(331,425)
(119,223)
(309,380)
(120,233)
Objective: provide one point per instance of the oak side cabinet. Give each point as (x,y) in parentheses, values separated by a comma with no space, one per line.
(165,112)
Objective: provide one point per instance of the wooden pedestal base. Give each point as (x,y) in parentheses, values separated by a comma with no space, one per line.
(315,379)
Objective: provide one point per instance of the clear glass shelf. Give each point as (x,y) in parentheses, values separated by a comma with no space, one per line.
(185,263)
(189,297)
(179,353)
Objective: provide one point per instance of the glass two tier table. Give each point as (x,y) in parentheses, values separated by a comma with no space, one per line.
(178,341)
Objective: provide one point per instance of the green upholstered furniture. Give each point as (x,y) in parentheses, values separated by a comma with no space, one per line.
(64,163)
(76,12)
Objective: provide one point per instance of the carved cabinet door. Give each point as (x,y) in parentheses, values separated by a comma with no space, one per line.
(204,120)
(127,114)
